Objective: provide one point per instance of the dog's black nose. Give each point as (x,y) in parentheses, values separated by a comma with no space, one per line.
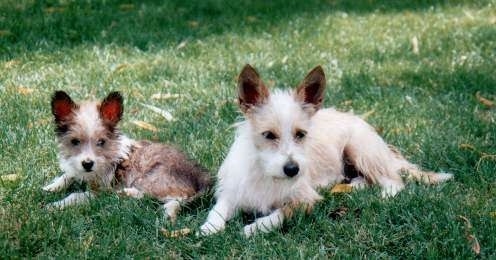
(291,169)
(87,165)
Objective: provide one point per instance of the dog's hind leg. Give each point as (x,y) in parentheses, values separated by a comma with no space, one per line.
(171,208)
(371,156)
(265,224)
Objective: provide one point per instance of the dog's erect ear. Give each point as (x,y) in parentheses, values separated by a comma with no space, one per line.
(111,108)
(251,90)
(62,106)
(311,90)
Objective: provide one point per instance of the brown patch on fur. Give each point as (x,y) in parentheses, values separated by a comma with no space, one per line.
(163,172)
(251,90)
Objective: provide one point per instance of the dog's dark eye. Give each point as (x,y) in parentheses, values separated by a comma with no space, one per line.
(300,134)
(75,141)
(269,135)
(100,143)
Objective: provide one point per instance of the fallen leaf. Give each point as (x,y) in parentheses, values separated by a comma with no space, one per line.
(182,45)
(11,63)
(493,214)
(468,14)
(284,59)
(347,102)
(409,99)
(466,146)
(121,67)
(165,96)
(341,188)
(176,233)
(10,177)
(474,243)
(39,122)
(4,33)
(126,7)
(251,19)
(193,24)
(484,100)
(52,10)
(467,222)
(145,125)
(415,45)
(165,114)
(24,90)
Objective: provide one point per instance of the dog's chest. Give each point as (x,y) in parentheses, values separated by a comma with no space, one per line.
(263,195)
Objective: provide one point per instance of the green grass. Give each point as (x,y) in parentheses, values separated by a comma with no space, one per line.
(424,103)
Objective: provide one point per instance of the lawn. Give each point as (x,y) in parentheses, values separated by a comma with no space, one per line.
(422,72)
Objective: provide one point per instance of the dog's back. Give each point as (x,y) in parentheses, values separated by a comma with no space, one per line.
(163,172)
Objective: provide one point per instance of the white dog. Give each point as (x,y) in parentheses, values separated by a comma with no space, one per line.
(287,148)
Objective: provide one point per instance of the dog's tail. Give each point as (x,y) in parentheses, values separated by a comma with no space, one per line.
(412,172)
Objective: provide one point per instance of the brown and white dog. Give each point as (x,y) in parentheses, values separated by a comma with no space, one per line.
(287,147)
(94,151)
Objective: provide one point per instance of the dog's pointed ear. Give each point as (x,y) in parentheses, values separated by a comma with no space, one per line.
(111,108)
(251,90)
(62,106)
(311,90)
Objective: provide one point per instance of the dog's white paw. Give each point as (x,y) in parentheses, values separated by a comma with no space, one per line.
(54,206)
(358,183)
(53,187)
(250,230)
(391,191)
(208,229)
(132,192)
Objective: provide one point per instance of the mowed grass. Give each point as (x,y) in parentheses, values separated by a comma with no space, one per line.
(430,104)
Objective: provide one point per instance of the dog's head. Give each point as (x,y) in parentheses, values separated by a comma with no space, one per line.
(87,134)
(280,120)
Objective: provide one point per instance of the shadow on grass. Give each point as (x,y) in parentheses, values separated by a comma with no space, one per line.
(50,25)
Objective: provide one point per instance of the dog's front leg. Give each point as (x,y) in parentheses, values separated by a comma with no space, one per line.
(59,183)
(217,217)
(265,224)
(76,198)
